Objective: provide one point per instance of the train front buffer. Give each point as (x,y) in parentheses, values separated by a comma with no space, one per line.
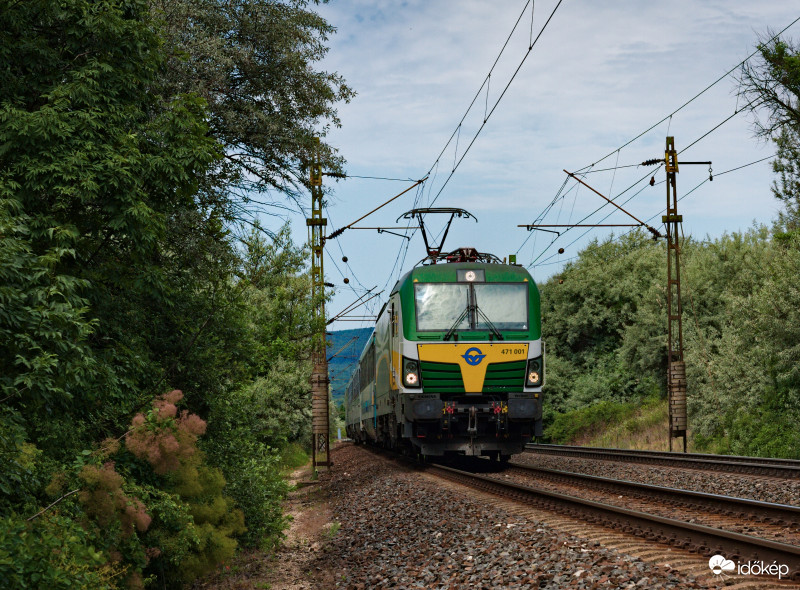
(474,398)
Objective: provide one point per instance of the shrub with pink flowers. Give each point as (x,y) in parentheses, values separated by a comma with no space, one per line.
(191,498)
(162,437)
(104,500)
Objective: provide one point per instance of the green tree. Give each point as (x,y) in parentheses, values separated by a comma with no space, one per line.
(251,425)
(277,289)
(752,363)
(772,86)
(120,274)
(95,162)
(786,188)
(603,331)
(253,61)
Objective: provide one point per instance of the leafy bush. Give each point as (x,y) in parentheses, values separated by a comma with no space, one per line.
(257,486)
(216,521)
(247,428)
(20,477)
(56,553)
(586,421)
(43,317)
(167,441)
(752,360)
(294,455)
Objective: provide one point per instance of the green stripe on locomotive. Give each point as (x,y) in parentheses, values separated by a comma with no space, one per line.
(446,377)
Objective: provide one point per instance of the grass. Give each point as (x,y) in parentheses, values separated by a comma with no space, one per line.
(587,422)
(294,455)
(332,529)
(639,425)
(646,427)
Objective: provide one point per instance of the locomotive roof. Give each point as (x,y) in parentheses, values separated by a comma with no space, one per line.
(446,273)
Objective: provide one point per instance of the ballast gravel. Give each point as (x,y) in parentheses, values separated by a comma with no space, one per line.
(400,530)
(779,491)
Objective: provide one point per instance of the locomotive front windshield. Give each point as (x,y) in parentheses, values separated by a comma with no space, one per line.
(441,306)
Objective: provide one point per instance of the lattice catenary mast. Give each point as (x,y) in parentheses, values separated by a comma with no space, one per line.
(320,425)
(676,367)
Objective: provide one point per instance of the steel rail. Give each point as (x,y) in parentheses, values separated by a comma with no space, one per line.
(784,468)
(780,514)
(693,537)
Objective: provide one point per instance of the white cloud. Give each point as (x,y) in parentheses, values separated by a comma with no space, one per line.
(600,74)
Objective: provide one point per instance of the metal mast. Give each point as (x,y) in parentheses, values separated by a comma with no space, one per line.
(320,424)
(676,368)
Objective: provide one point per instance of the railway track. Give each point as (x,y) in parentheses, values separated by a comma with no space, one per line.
(698,538)
(766,519)
(781,468)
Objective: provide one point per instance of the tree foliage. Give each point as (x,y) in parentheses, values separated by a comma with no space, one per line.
(772,86)
(786,188)
(602,324)
(251,422)
(252,62)
(95,163)
(126,127)
(740,321)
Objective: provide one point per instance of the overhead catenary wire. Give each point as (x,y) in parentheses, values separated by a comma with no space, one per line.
(714,128)
(588,169)
(613,168)
(433,170)
(354,305)
(339,231)
(696,96)
(336,265)
(346,344)
(345,176)
(586,217)
(652,217)
(485,82)
(370,307)
(403,249)
(500,98)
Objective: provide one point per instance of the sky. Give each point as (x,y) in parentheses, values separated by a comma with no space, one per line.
(599,75)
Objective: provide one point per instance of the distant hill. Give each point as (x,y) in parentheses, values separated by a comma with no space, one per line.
(347,346)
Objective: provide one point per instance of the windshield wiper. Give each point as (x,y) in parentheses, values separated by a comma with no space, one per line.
(459,319)
(493,330)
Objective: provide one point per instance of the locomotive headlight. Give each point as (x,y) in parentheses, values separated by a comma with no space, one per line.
(535,372)
(410,373)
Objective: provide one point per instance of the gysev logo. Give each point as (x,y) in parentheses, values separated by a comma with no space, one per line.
(473,356)
(719,564)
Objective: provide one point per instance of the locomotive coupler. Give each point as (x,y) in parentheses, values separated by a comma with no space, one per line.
(472,424)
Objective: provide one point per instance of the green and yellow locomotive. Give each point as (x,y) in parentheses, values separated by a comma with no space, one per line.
(455,364)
